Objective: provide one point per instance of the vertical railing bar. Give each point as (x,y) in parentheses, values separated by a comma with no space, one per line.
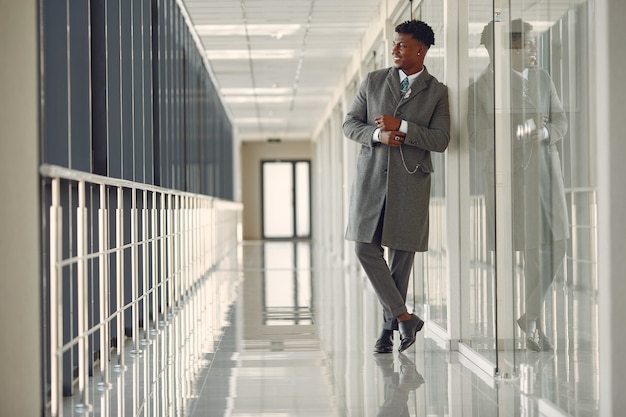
(184,281)
(184,265)
(186,247)
(145,245)
(155,272)
(164,261)
(194,278)
(176,253)
(82,297)
(200,262)
(104,258)
(198,269)
(180,248)
(170,255)
(119,276)
(56,301)
(134,275)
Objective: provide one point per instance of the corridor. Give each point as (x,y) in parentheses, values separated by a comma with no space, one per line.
(258,352)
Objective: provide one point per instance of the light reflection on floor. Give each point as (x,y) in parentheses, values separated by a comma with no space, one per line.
(299,352)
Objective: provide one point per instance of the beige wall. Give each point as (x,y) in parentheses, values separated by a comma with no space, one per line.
(252,153)
(20,307)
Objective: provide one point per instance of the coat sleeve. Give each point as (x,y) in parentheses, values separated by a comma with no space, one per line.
(557,123)
(355,126)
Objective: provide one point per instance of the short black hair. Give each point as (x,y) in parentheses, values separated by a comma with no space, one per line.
(486,37)
(419,30)
(518,28)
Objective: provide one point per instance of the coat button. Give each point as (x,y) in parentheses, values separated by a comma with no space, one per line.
(385,171)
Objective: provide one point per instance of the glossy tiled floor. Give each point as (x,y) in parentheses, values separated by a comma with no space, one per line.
(259,350)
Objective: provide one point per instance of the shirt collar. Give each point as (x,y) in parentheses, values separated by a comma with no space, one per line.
(412,77)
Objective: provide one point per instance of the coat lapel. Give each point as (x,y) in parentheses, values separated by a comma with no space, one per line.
(393,83)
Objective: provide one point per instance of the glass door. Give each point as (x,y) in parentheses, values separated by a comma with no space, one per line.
(286,199)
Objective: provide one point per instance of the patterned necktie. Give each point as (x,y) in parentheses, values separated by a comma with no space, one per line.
(404,86)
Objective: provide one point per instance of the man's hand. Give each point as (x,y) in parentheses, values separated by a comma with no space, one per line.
(393,138)
(387,123)
(541,120)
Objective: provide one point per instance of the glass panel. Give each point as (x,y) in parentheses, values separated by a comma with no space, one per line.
(277,199)
(554,203)
(542,81)
(303,205)
(479,293)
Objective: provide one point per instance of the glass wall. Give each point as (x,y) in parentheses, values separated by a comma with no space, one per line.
(433,264)
(530,300)
(478,308)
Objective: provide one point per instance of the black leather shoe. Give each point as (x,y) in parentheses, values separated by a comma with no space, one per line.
(384,344)
(536,339)
(539,342)
(408,330)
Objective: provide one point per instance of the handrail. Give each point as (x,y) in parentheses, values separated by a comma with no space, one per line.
(163,242)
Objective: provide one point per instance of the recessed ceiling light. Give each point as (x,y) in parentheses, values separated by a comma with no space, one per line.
(252,30)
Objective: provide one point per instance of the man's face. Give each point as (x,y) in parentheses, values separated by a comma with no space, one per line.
(523,52)
(408,53)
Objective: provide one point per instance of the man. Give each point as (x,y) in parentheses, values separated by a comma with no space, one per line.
(399,116)
(539,209)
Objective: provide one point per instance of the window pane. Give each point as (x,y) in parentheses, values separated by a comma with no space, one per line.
(277,199)
(303,224)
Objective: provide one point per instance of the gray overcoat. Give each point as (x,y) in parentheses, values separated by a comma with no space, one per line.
(382,181)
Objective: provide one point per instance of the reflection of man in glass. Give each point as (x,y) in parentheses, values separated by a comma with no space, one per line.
(539,210)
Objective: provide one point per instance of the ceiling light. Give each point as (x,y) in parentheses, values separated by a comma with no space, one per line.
(255,91)
(275,31)
(223,54)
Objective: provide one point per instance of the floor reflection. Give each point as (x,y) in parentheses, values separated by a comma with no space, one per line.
(306,350)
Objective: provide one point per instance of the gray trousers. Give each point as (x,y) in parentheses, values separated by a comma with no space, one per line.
(391,281)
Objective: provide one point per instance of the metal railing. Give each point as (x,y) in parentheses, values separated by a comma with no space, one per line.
(120,258)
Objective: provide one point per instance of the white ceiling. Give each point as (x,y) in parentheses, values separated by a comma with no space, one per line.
(277,62)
